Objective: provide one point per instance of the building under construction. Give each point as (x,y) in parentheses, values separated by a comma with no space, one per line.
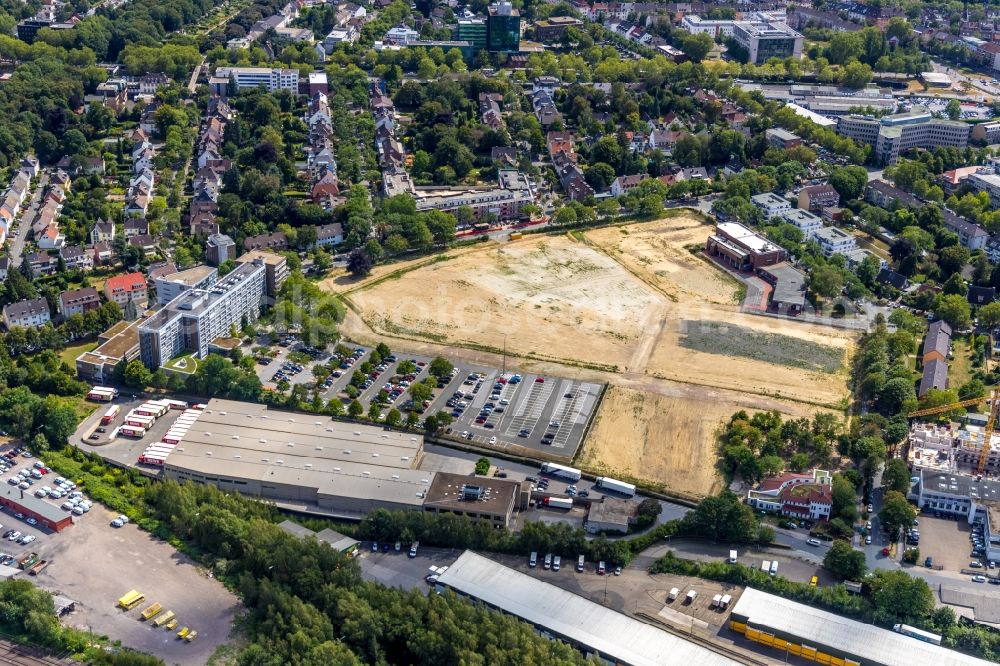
(953,450)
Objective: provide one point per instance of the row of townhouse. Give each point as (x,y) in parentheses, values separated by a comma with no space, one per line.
(16,193)
(45,227)
(207,182)
(320,160)
(564,159)
(143,180)
(391,154)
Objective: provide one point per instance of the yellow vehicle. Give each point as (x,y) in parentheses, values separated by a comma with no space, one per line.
(132,599)
(814,581)
(190,637)
(163,619)
(183,632)
(152,611)
(172,625)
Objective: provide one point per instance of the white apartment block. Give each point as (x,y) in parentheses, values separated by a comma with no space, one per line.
(771,204)
(834,241)
(986,182)
(273,79)
(806,222)
(198,316)
(27,313)
(894,135)
(696,26)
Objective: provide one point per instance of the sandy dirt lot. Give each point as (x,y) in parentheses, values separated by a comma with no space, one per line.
(658,254)
(554,298)
(95,564)
(668,438)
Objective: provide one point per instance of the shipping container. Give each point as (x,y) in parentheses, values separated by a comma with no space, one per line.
(617,486)
(561,470)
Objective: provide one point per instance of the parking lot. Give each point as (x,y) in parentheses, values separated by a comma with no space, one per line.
(946,540)
(490,407)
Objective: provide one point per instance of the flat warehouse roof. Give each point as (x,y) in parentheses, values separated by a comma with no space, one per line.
(866,642)
(615,636)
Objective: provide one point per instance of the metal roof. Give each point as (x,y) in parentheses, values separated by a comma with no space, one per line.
(857,640)
(615,636)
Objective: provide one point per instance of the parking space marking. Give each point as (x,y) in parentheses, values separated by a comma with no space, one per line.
(530,408)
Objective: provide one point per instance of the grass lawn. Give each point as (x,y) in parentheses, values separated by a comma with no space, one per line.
(186,364)
(960,368)
(68,355)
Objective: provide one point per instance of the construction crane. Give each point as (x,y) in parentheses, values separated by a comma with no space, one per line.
(994,403)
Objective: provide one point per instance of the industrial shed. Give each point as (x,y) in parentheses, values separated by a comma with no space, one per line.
(569,617)
(817,635)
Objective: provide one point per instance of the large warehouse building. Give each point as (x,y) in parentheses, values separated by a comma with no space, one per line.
(572,618)
(301,461)
(826,638)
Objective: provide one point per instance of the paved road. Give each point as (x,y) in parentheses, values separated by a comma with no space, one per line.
(25,221)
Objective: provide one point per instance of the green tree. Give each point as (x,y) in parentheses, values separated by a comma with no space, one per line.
(955,310)
(953,109)
(723,518)
(440,367)
(355,409)
(826,281)
(896,476)
(849,181)
(845,498)
(137,375)
(896,513)
(845,561)
(989,315)
(899,597)
(697,46)
(482,466)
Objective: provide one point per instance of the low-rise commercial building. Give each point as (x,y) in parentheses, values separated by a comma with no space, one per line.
(485,499)
(798,630)
(336,540)
(196,317)
(48,515)
(116,346)
(788,293)
(781,139)
(765,40)
(611,514)
(741,248)
(805,496)
(589,626)
(894,135)
(304,462)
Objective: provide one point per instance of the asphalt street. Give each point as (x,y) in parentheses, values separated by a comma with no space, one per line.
(25,221)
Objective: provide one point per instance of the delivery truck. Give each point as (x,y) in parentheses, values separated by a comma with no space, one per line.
(559,502)
(110,415)
(606,483)
(673,594)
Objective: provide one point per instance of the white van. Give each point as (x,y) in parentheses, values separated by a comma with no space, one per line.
(556,561)
(732,557)
(533,560)
(547,564)
(716,600)
(774,568)
(673,594)
(691,596)
(766,566)
(579,564)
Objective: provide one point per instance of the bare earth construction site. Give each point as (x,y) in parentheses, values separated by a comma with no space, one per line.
(631,305)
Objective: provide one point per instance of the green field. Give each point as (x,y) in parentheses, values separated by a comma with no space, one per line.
(68,355)
(186,364)
(730,340)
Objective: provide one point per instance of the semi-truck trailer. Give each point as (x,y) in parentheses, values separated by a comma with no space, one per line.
(132,431)
(919,634)
(102,394)
(561,470)
(110,415)
(559,502)
(615,485)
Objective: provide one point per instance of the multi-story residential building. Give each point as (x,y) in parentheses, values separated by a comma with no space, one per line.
(970,234)
(32,312)
(169,287)
(987,133)
(197,316)
(275,270)
(818,197)
(805,221)
(77,257)
(124,288)
(806,496)
(552,29)
(770,204)
(329,234)
(892,136)
(219,248)
(505,201)
(273,79)
(78,301)
(833,241)
(986,182)
(766,40)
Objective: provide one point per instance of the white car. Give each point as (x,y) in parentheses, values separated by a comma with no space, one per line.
(41,492)
(77,510)
(31,521)
(26,539)
(67,506)
(24,485)
(813,542)
(493,440)
(13,481)
(117,523)
(124,520)
(14,536)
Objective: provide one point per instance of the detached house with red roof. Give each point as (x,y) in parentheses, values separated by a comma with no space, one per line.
(805,496)
(124,288)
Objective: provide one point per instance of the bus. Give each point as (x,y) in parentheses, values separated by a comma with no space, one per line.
(919,634)
(109,416)
(102,394)
(561,470)
(132,431)
(131,599)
